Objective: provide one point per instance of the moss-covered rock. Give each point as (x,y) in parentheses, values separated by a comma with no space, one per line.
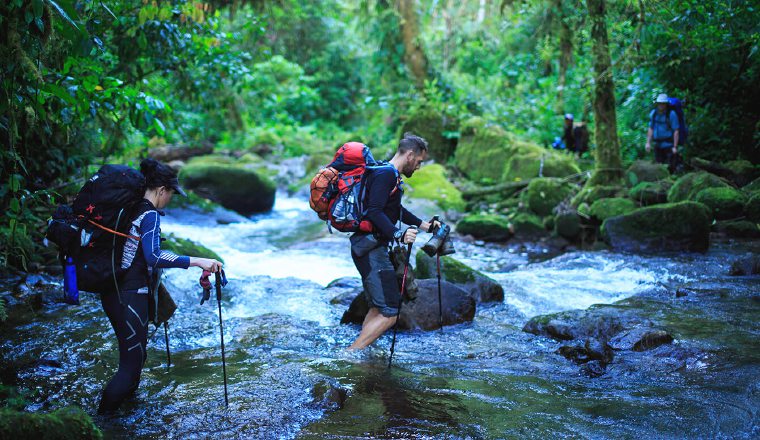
(487,227)
(431,125)
(650,193)
(645,171)
(66,423)
(193,200)
(527,226)
(743,171)
(486,152)
(590,194)
(430,182)
(236,187)
(481,287)
(752,208)
(543,194)
(752,186)
(689,185)
(605,208)
(483,149)
(183,246)
(725,202)
(737,228)
(567,225)
(665,227)
(548,223)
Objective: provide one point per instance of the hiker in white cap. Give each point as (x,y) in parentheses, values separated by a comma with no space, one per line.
(663,130)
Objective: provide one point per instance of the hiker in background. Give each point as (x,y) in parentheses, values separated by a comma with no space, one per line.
(142,259)
(370,250)
(664,131)
(568,137)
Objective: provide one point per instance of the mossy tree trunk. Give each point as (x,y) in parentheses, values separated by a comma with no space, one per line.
(608,166)
(566,52)
(414,56)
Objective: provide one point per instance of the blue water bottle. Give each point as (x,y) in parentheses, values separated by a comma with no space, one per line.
(70,291)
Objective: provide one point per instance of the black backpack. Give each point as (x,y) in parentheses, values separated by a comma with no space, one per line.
(94,228)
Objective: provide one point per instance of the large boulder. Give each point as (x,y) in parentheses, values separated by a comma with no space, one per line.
(689,185)
(422,313)
(603,209)
(489,227)
(544,193)
(430,182)
(650,193)
(645,171)
(479,286)
(431,125)
(737,228)
(725,202)
(665,227)
(483,149)
(237,187)
(567,224)
(486,152)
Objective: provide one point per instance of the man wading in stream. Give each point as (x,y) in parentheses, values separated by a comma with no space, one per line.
(370,251)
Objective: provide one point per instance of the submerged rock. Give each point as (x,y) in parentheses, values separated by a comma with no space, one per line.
(479,286)
(667,227)
(328,394)
(640,339)
(746,265)
(422,313)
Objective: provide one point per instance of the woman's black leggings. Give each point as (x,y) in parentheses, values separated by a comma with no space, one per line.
(129,320)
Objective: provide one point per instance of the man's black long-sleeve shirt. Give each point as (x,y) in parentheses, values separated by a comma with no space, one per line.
(383,208)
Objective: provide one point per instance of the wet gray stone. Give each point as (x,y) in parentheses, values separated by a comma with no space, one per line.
(640,339)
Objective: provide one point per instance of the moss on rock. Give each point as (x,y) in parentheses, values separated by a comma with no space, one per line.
(481,287)
(527,164)
(543,194)
(725,202)
(752,208)
(241,189)
(487,227)
(605,208)
(590,194)
(430,182)
(689,185)
(66,423)
(645,171)
(752,186)
(737,228)
(650,193)
(483,150)
(183,246)
(664,227)
(567,225)
(193,200)
(431,124)
(527,226)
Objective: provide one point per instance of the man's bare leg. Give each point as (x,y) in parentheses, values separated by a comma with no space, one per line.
(375,324)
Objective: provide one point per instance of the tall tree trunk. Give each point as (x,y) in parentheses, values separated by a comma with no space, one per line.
(608,166)
(565,53)
(414,56)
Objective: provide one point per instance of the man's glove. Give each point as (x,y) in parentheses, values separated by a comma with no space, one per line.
(435,223)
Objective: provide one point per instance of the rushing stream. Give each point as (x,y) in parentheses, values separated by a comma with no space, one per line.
(485,379)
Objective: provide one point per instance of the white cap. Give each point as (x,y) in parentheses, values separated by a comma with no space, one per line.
(569,116)
(662,98)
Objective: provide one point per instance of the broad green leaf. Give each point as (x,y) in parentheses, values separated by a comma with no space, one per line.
(62,13)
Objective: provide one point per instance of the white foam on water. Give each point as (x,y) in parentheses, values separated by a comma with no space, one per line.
(574,281)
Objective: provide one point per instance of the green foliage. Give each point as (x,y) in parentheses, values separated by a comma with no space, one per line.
(66,423)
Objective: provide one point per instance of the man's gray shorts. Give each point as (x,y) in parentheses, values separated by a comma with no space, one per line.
(379,280)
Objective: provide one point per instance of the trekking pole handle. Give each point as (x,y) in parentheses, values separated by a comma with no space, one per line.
(218,284)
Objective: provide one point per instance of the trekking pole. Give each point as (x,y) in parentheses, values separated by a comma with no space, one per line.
(166,338)
(218,278)
(440,303)
(401,301)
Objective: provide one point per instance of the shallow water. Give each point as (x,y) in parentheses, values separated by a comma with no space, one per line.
(485,379)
